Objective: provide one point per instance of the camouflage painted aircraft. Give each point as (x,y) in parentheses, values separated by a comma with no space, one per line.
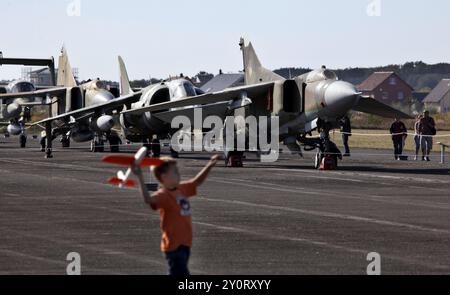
(99,116)
(81,112)
(313,101)
(17,111)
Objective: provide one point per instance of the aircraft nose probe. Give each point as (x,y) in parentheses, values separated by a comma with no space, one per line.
(341,96)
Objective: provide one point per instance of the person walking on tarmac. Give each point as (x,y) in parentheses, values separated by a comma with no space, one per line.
(427,131)
(346,130)
(399,134)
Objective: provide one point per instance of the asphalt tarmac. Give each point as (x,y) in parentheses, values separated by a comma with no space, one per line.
(265,218)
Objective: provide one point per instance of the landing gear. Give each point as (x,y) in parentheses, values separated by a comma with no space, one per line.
(156,148)
(114,143)
(65,141)
(22,140)
(153,148)
(318,159)
(234,159)
(49,140)
(22,136)
(42,143)
(326,150)
(97,144)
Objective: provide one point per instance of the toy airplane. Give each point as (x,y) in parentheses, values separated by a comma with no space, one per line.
(122,179)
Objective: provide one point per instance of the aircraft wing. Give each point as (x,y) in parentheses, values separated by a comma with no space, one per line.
(216,109)
(2,124)
(57,91)
(252,92)
(91,110)
(372,106)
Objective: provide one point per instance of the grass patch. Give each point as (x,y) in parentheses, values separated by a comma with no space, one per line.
(380,139)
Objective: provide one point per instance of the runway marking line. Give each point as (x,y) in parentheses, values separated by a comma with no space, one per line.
(278,237)
(367,197)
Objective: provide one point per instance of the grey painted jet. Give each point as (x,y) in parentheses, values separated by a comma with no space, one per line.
(313,101)
(79,112)
(17,111)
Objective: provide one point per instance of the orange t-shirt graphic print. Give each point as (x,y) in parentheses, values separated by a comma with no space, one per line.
(175,215)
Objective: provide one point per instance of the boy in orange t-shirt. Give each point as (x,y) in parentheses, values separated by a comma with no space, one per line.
(172,201)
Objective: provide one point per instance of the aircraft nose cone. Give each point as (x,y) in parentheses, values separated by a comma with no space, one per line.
(103,97)
(341,96)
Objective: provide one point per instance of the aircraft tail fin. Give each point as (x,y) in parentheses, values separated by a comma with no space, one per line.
(125,87)
(254,71)
(65,74)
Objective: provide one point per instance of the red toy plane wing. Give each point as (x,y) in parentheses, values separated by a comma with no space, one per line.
(147,162)
(117,181)
(128,161)
(119,160)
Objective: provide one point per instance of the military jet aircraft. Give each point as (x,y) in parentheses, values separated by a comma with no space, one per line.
(80,112)
(88,122)
(315,100)
(16,104)
(150,128)
(16,109)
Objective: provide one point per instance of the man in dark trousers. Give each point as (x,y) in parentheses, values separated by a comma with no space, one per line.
(346,130)
(399,133)
(427,129)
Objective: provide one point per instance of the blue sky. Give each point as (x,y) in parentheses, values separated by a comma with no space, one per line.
(162,38)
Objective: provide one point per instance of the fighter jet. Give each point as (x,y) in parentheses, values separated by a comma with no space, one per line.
(88,123)
(150,128)
(80,112)
(313,101)
(16,107)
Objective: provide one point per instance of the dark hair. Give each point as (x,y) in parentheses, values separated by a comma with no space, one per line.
(164,167)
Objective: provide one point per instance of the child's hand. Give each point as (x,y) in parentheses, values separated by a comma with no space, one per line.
(214,160)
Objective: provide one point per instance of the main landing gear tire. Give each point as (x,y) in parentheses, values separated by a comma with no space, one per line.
(97,146)
(318,159)
(23,141)
(65,142)
(114,143)
(156,148)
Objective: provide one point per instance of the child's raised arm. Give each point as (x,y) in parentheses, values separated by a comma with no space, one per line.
(201,176)
(138,172)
